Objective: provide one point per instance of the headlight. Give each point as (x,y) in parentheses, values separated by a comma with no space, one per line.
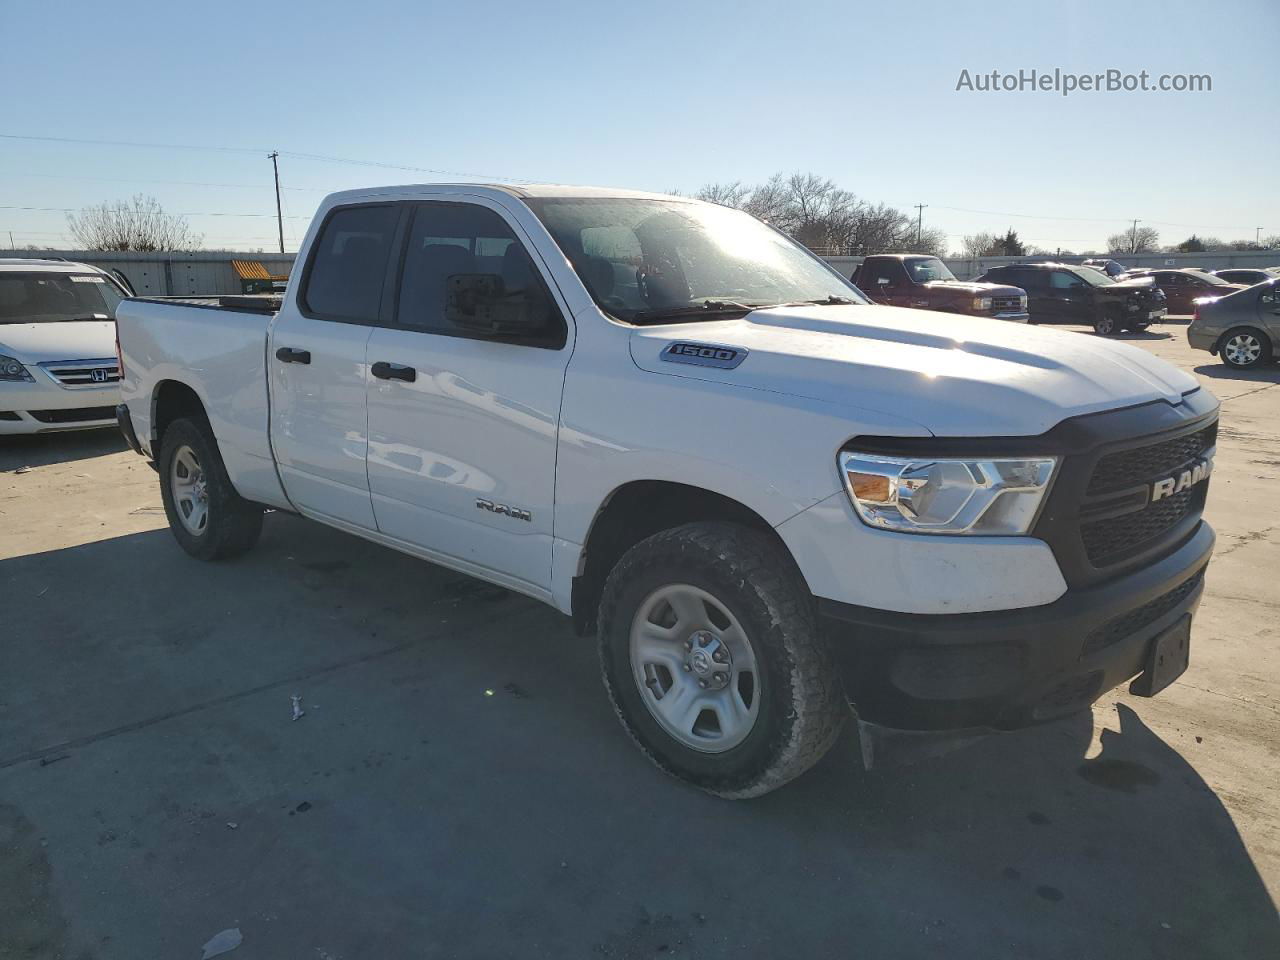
(11,369)
(982,303)
(978,497)
(1022,301)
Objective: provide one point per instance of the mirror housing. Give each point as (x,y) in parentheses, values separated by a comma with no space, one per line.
(480,303)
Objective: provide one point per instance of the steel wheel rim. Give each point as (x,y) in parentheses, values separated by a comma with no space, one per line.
(1106,325)
(190,491)
(1244,349)
(695,668)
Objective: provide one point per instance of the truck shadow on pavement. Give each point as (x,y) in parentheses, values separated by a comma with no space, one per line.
(41,449)
(459,786)
(1220,371)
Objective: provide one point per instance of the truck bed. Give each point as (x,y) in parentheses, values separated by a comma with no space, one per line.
(216,347)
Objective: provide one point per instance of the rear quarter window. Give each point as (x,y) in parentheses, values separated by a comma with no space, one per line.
(348,264)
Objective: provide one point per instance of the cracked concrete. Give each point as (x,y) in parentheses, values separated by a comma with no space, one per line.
(459,787)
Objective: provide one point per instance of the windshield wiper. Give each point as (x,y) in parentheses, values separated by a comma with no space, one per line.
(704,309)
(831,301)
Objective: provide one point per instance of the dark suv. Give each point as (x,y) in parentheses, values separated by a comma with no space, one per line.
(1060,293)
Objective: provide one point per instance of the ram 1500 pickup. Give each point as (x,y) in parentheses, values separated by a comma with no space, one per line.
(775,504)
(912,280)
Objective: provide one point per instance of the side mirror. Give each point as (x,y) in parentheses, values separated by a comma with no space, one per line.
(480,302)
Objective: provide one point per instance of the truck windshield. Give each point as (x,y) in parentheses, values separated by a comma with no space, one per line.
(929,268)
(658,260)
(56,297)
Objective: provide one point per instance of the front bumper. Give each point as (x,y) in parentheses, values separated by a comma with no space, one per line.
(1022,317)
(1011,668)
(36,407)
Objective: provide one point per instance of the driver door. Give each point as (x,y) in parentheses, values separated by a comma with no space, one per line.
(1070,298)
(463,424)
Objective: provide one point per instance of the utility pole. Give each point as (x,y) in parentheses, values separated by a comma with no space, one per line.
(1257,236)
(11,246)
(920,221)
(275,165)
(1133,237)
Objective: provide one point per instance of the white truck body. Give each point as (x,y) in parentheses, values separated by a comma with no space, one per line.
(499,458)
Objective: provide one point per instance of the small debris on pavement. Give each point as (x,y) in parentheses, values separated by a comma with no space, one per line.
(221,943)
(232,824)
(1199,739)
(42,593)
(45,761)
(515,690)
(303,807)
(23,470)
(298,712)
(488,693)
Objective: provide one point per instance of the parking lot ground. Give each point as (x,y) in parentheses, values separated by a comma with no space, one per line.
(459,787)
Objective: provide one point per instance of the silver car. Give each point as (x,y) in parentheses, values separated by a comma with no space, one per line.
(1241,328)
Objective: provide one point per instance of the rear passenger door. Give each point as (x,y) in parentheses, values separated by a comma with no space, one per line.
(463,424)
(1072,300)
(316,363)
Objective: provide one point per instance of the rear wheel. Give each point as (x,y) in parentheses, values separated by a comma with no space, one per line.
(1244,348)
(208,518)
(711,653)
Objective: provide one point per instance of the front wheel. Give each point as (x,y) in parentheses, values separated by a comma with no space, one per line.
(1106,324)
(712,656)
(208,518)
(1244,349)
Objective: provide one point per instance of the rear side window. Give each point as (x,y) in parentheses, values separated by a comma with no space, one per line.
(349,264)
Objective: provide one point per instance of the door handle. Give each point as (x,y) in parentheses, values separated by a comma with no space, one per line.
(290,355)
(393,371)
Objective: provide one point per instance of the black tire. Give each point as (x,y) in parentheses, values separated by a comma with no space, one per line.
(1138,327)
(232,524)
(802,707)
(1108,323)
(1241,338)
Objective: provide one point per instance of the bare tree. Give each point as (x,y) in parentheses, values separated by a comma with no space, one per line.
(137,224)
(1134,240)
(726,194)
(981,245)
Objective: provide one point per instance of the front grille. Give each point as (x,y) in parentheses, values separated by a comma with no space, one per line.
(74,414)
(1127,624)
(1118,518)
(1129,468)
(1006,303)
(84,373)
(1104,539)
(9,415)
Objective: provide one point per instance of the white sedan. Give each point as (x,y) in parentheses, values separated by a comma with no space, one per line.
(58,366)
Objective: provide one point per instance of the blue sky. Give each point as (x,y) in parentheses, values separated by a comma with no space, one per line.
(652,95)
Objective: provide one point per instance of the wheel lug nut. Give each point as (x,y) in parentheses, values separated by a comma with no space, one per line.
(687,668)
(688,644)
(702,684)
(719,678)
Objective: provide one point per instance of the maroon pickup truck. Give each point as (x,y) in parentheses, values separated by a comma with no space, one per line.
(915,280)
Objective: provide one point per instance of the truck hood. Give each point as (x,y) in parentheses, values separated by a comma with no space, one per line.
(956,376)
(974,288)
(70,340)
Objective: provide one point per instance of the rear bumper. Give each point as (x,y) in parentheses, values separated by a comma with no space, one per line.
(1203,339)
(126,427)
(1011,668)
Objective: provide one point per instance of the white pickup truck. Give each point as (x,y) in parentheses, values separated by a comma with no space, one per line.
(776,504)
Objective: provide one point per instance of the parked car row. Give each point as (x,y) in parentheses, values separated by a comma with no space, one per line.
(1062,293)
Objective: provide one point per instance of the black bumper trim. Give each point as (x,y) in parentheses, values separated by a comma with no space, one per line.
(1010,668)
(126,427)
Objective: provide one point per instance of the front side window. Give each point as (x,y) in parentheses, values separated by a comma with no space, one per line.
(1061,280)
(645,260)
(455,244)
(349,264)
(47,297)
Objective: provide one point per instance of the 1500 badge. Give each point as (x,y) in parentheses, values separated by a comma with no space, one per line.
(704,354)
(1168,486)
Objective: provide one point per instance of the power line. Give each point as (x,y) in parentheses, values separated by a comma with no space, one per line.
(179,183)
(186,213)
